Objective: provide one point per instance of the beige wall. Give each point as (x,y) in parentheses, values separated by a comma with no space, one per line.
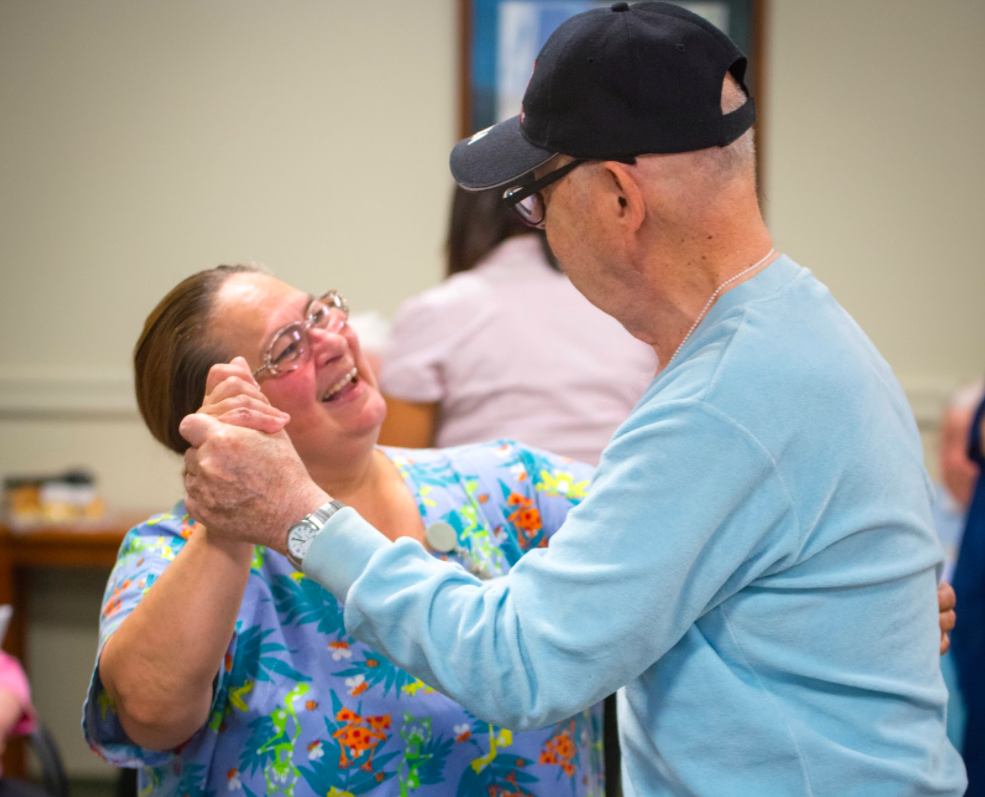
(875,172)
(140,142)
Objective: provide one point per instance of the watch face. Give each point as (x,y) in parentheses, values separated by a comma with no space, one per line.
(299,539)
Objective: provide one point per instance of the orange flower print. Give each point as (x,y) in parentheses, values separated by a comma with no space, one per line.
(516,499)
(311,705)
(513,790)
(560,750)
(528,520)
(115,599)
(564,746)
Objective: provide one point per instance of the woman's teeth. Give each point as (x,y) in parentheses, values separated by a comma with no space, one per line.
(334,389)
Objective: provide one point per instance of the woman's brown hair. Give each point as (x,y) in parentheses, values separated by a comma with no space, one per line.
(174,354)
(481,221)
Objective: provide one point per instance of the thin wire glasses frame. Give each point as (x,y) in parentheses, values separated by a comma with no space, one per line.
(290,346)
(527,201)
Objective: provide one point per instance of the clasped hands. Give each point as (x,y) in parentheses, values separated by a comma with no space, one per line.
(245,481)
(243,478)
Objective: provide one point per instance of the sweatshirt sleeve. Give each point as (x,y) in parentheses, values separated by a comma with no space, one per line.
(686,509)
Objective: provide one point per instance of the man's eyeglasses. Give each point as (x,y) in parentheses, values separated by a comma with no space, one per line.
(290,347)
(527,201)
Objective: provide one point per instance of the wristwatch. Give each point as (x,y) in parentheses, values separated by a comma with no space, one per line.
(303,533)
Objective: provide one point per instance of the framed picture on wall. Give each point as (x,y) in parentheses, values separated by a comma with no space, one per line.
(501,40)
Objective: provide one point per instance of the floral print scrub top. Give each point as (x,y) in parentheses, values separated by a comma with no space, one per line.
(301,708)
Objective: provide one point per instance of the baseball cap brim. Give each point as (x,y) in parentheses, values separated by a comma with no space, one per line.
(495,157)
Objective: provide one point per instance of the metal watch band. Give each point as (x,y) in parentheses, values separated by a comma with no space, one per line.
(316,520)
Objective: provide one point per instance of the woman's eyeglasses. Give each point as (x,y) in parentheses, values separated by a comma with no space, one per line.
(291,345)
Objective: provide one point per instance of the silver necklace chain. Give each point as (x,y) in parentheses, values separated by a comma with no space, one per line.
(711,301)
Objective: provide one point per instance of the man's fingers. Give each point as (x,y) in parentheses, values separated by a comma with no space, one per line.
(946,602)
(946,599)
(196,428)
(948,621)
(222,371)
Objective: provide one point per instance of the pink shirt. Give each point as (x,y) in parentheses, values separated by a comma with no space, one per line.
(511,349)
(12,680)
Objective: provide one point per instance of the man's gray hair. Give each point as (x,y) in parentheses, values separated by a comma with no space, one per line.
(740,155)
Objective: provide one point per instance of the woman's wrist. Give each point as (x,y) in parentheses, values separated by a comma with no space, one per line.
(236,551)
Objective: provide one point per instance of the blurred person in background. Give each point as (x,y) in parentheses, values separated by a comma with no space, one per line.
(507,347)
(950,511)
(969,635)
(958,472)
(16,719)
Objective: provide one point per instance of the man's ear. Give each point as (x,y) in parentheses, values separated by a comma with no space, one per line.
(624,195)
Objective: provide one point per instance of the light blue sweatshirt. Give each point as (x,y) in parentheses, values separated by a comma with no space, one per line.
(755,563)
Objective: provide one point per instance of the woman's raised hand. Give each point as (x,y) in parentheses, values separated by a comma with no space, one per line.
(233,396)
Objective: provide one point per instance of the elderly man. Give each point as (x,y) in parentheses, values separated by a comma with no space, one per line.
(755,562)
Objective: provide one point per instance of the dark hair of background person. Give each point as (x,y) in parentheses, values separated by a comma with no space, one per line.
(171,361)
(481,221)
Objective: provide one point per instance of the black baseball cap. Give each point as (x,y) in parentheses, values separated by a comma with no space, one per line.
(612,83)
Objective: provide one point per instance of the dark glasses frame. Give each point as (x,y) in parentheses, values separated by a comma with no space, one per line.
(534,217)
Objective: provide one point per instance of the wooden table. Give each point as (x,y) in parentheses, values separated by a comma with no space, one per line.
(59,546)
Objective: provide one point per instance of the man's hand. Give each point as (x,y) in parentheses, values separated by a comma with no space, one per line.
(946,601)
(243,478)
(243,484)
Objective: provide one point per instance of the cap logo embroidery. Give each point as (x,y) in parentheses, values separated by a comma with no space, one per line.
(479,135)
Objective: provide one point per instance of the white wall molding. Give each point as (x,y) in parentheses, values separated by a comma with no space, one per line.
(927,397)
(76,393)
(66,393)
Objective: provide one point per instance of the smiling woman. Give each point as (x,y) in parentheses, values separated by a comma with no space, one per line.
(223,668)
